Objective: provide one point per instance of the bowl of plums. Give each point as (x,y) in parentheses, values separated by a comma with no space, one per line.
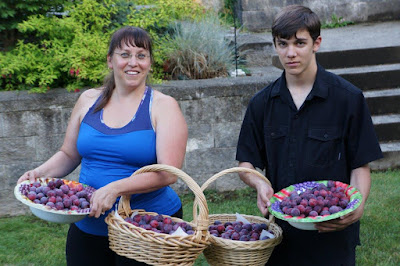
(304,204)
(55,200)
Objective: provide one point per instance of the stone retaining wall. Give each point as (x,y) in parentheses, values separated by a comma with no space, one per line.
(258,15)
(32,128)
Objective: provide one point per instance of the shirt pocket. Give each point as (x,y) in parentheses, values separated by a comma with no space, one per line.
(323,146)
(275,138)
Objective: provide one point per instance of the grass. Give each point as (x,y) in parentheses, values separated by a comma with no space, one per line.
(27,240)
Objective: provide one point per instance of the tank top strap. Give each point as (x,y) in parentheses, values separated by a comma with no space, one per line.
(141,120)
(142,117)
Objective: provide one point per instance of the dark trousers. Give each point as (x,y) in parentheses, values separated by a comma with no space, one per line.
(302,247)
(84,249)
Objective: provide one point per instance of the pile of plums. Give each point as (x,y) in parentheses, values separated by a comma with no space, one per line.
(318,201)
(59,195)
(159,223)
(238,230)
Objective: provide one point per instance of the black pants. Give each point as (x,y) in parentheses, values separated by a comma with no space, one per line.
(86,249)
(302,247)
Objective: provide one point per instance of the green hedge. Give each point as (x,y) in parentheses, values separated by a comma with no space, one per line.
(70,50)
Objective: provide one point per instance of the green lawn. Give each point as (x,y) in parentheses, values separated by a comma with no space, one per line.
(27,240)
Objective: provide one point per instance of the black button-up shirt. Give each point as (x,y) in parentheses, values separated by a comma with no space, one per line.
(331,134)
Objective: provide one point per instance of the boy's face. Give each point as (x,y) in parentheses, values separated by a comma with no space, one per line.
(297,54)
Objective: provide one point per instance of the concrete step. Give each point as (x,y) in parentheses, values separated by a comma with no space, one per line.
(372,77)
(391,157)
(254,50)
(359,57)
(381,102)
(367,77)
(387,127)
(354,58)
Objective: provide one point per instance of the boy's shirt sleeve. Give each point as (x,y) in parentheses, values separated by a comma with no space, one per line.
(251,147)
(363,143)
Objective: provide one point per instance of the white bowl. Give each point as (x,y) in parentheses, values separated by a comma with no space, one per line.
(46,213)
(303,226)
(57,216)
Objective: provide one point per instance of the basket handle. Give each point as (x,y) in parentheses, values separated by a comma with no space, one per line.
(202,221)
(229,171)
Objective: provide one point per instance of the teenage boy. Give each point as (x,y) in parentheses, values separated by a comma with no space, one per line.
(308,125)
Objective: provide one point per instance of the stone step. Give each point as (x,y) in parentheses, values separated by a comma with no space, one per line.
(382,102)
(369,77)
(359,57)
(254,50)
(372,77)
(387,127)
(354,58)
(391,156)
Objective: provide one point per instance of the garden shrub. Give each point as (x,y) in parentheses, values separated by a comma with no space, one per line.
(199,50)
(15,11)
(70,51)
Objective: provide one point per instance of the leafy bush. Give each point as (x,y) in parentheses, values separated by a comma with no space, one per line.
(15,11)
(70,51)
(199,50)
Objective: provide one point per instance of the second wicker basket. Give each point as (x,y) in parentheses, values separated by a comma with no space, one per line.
(224,252)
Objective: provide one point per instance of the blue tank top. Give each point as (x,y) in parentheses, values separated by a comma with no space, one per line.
(109,154)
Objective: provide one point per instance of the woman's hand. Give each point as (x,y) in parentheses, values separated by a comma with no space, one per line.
(30,175)
(102,200)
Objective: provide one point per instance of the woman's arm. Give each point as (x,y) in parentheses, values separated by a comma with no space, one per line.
(67,158)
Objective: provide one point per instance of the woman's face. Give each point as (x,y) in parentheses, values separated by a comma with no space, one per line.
(131,66)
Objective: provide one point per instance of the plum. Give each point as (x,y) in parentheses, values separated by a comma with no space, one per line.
(50,204)
(44,200)
(154,223)
(32,195)
(64,188)
(59,206)
(58,183)
(313,213)
(295,212)
(235,236)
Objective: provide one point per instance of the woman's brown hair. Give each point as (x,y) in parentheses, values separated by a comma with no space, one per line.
(131,36)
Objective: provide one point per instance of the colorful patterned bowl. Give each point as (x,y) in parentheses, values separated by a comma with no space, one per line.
(307,223)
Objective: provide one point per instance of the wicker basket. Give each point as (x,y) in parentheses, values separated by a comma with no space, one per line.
(232,252)
(157,248)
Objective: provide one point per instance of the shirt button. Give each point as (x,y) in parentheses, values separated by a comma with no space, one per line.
(326,135)
(272,134)
(296,116)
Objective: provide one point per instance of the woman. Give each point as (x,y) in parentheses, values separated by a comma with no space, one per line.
(112,132)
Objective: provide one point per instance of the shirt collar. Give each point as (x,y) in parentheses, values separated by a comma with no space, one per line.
(320,87)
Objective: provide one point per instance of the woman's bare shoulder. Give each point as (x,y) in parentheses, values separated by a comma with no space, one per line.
(88,97)
(86,100)
(163,99)
(91,94)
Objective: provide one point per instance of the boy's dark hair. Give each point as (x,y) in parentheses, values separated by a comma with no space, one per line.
(293,18)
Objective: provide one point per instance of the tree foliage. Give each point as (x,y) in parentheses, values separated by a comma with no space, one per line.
(14,12)
(69,50)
